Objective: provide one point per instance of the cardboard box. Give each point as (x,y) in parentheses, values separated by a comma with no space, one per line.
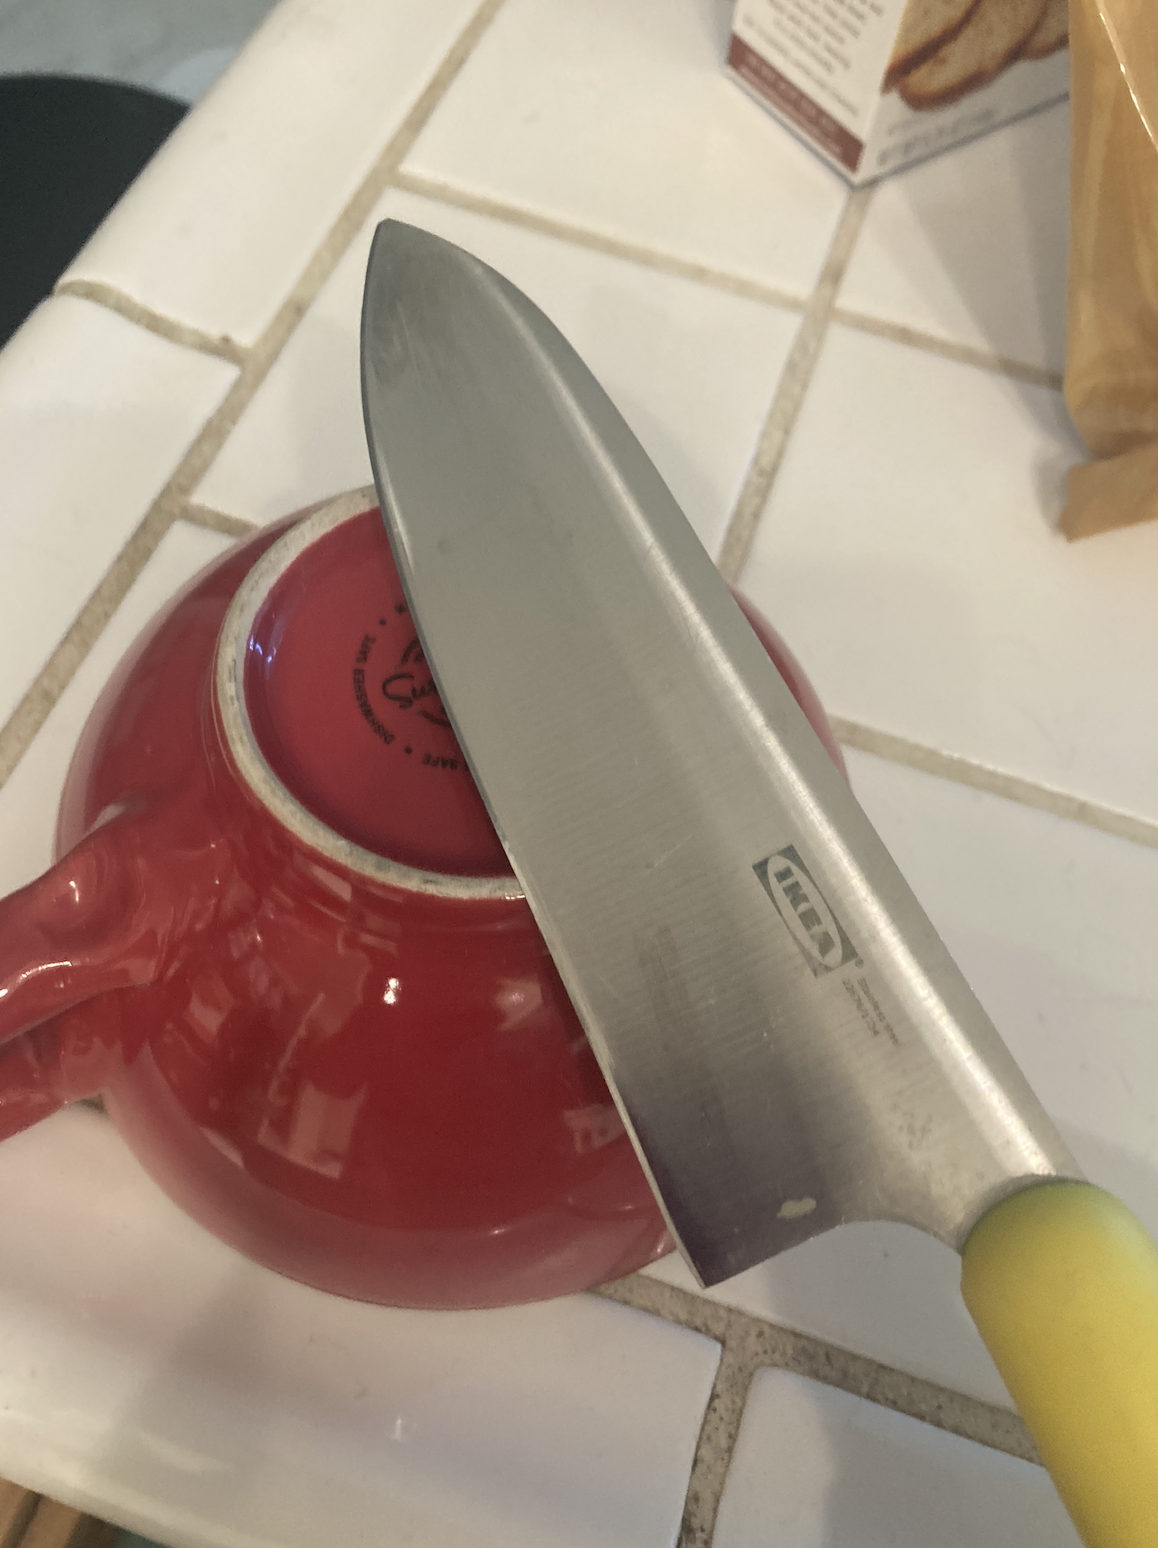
(875,85)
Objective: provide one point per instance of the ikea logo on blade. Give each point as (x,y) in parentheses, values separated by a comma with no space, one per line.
(800,903)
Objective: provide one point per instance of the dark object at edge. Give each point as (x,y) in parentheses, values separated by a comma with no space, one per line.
(69,147)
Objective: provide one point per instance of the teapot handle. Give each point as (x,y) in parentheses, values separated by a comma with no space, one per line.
(89,925)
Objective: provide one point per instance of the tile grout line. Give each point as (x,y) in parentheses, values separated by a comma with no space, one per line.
(102,294)
(791,389)
(254,363)
(979,776)
(596,241)
(721,279)
(19,730)
(716,1443)
(217,521)
(327,254)
(963,354)
(224,348)
(724,1409)
(750,1344)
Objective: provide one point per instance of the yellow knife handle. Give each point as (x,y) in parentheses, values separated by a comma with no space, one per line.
(1062,1282)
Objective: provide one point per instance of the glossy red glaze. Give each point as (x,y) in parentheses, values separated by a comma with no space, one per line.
(377,1090)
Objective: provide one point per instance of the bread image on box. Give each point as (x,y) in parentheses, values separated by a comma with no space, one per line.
(1051,33)
(994,34)
(926,26)
(875,85)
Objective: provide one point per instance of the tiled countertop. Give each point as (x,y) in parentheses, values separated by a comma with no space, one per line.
(856,399)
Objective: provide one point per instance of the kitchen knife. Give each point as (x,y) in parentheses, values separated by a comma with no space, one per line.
(789,1042)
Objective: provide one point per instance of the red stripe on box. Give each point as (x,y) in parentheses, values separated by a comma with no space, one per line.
(780,93)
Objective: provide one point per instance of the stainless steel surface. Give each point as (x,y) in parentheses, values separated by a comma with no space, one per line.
(788,1039)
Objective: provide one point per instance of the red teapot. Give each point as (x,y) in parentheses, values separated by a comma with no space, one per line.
(283,943)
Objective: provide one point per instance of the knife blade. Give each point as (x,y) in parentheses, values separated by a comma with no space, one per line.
(790,1044)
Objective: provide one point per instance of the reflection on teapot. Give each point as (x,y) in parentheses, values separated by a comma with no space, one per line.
(284,943)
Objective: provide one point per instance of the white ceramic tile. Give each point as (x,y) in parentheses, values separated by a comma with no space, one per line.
(617,115)
(881,1290)
(146,42)
(29,797)
(816,1468)
(971,246)
(156,1378)
(908,552)
(1052,923)
(220,225)
(95,415)
(692,368)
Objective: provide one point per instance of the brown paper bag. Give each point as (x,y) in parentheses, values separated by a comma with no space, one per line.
(1111,373)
